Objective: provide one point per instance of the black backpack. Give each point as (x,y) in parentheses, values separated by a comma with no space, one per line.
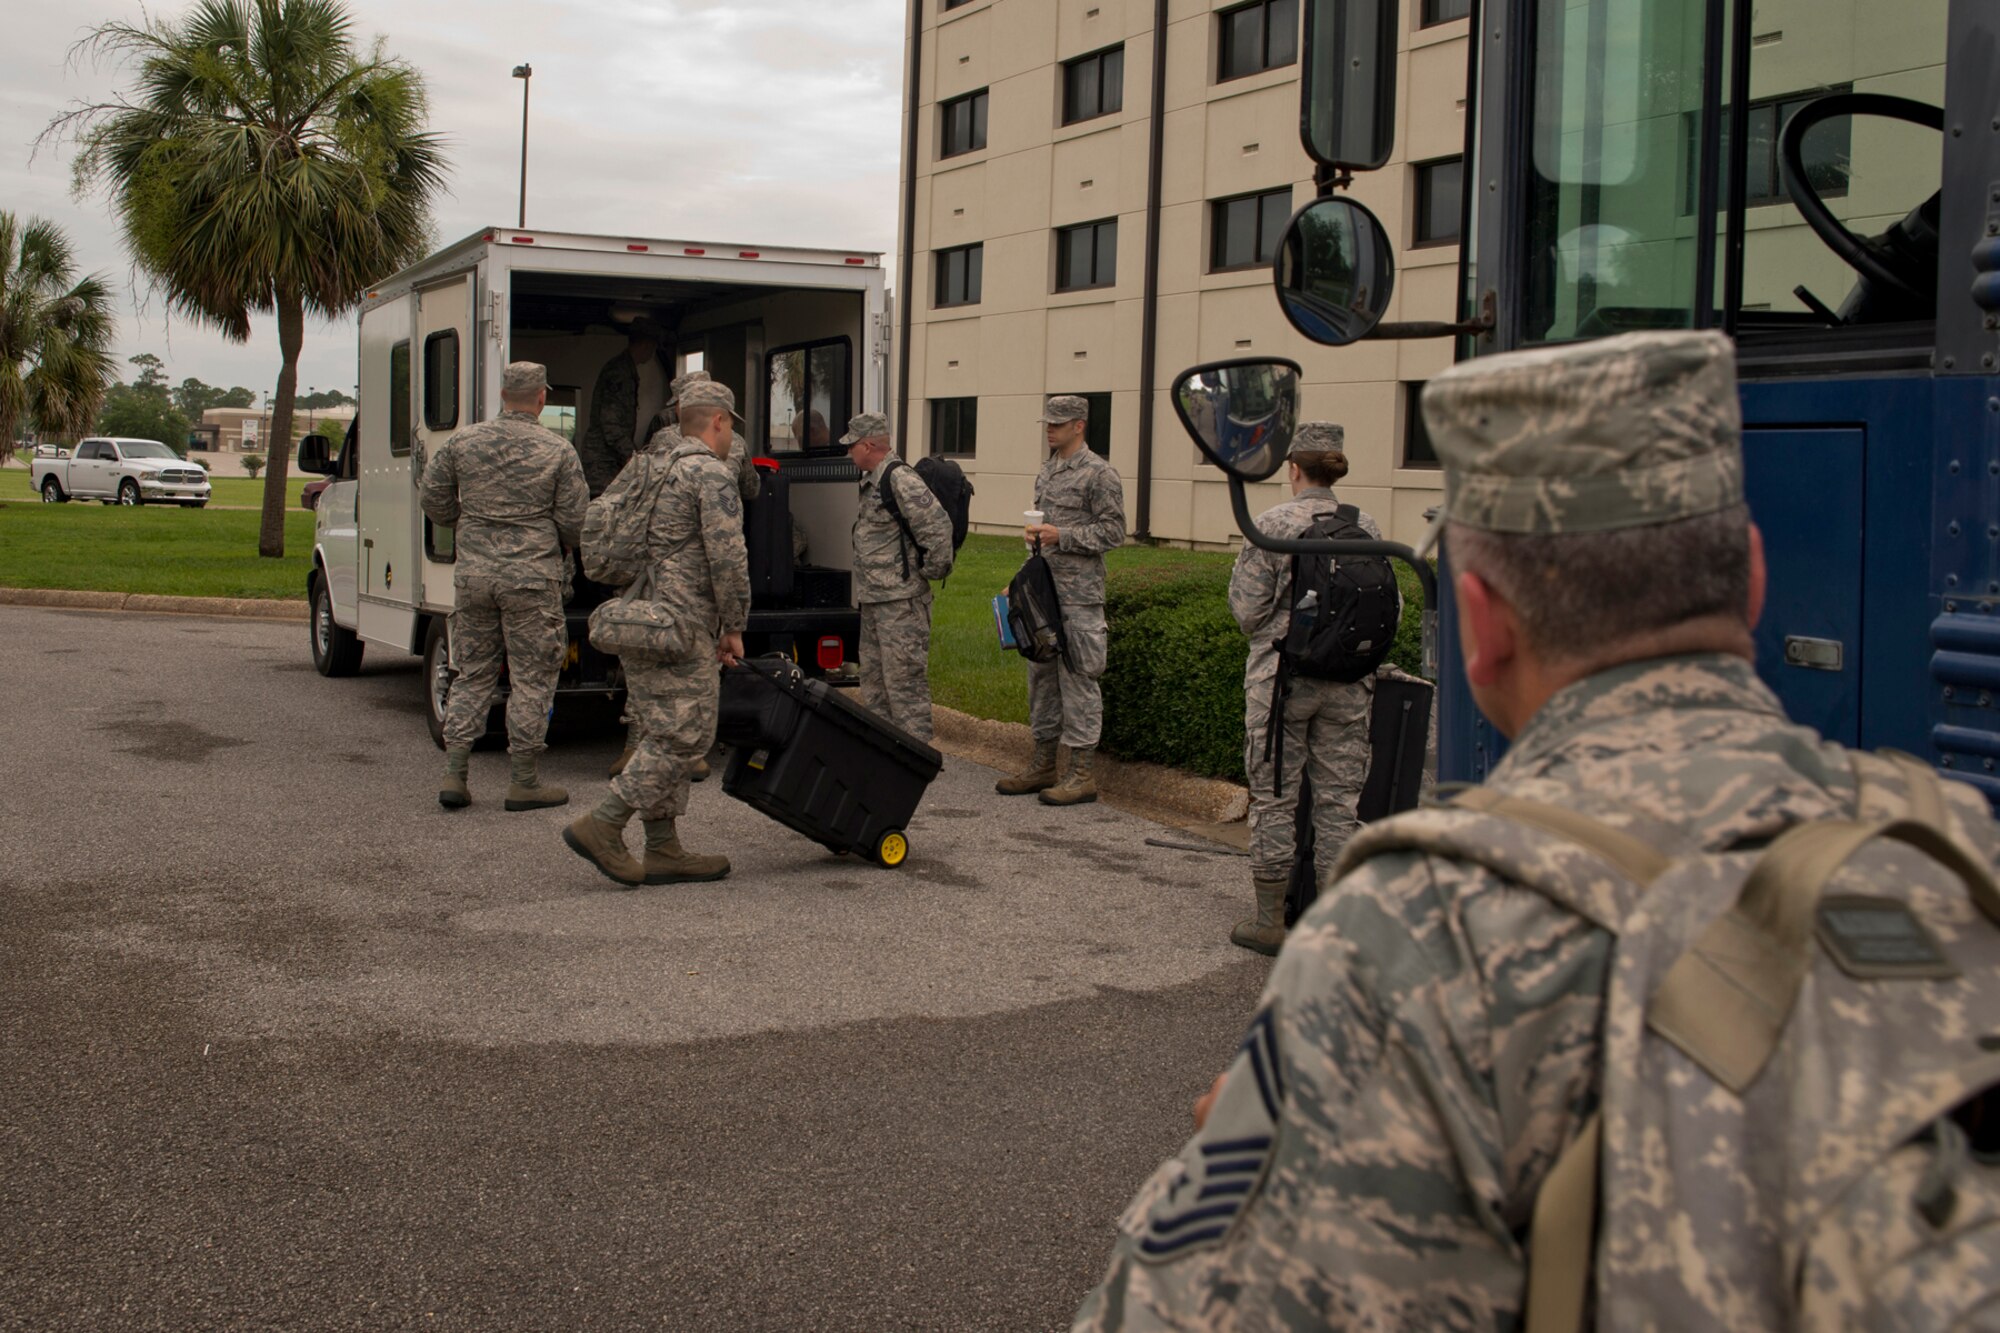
(947,482)
(1034,611)
(1354,624)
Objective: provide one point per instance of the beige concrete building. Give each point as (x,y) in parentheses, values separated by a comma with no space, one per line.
(241,430)
(1027,257)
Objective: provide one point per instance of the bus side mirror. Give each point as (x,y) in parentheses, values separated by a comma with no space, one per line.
(1240,413)
(1334,271)
(1347,91)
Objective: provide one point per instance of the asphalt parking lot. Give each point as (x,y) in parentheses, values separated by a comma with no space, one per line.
(287,1046)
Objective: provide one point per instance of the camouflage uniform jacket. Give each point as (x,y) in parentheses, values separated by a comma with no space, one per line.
(1083,499)
(606,445)
(879,545)
(1260,586)
(515,493)
(1428,1041)
(701,567)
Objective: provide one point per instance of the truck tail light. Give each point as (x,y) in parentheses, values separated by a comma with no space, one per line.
(832,653)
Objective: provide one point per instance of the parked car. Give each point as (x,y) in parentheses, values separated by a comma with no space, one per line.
(116,470)
(309,493)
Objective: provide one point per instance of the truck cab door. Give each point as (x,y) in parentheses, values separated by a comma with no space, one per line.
(386,505)
(446,400)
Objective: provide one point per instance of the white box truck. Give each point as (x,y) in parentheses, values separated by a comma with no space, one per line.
(801,336)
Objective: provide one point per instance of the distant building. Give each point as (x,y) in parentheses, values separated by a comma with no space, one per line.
(1027,257)
(247,430)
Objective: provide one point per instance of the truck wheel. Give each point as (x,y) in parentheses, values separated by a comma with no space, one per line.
(335,651)
(437,691)
(52,492)
(128,492)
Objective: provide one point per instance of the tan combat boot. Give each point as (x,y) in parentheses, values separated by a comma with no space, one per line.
(1079,785)
(603,845)
(528,791)
(1039,775)
(667,862)
(452,794)
(1265,932)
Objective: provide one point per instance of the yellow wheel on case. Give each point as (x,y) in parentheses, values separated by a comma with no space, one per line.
(893,849)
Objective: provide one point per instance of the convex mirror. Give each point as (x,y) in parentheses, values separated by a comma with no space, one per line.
(1347,93)
(1334,271)
(1241,413)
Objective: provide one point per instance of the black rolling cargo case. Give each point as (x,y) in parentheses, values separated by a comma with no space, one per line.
(767,532)
(819,763)
(1399,733)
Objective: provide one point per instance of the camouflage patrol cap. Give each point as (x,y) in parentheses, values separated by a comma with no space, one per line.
(1065,407)
(865,426)
(522,378)
(707,393)
(1317,437)
(682,381)
(1621,432)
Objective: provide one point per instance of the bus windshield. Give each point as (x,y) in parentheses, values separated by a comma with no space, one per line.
(1615,152)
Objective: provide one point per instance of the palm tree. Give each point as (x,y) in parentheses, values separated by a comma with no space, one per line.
(261,165)
(55,335)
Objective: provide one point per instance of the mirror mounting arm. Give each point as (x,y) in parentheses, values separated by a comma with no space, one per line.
(1239,501)
(1327,180)
(1433,328)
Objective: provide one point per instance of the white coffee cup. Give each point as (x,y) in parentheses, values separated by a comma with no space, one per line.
(1034,518)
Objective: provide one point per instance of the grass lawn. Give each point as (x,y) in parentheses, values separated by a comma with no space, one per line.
(17,484)
(969,669)
(153,549)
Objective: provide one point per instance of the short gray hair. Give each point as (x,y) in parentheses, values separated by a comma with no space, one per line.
(1580,594)
(694,417)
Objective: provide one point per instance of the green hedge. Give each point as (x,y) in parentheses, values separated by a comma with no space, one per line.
(1173,688)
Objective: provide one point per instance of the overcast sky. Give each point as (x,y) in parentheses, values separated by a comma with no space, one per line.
(764,121)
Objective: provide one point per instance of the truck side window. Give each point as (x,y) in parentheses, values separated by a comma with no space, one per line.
(399,399)
(441,380)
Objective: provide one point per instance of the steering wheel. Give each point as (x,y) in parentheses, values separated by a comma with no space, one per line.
(1884,267)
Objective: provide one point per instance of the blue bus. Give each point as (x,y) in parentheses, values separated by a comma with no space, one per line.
(1818,178)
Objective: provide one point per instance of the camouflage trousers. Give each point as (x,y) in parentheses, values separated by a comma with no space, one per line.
(896,662)
(521,625)
(673,709)
(1064,701)
(1326,734)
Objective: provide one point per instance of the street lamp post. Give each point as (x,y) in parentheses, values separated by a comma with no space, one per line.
(524,73)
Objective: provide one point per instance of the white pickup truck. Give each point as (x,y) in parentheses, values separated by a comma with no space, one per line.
(116,470)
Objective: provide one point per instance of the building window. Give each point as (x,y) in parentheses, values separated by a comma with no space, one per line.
(1418,451)
(954,427)
(441,380)
(1825,151)
(954,4)
(958,274)
(1444,11)
(1245,232)
(1087,256)
(399,399)
(964,126)
(1258,36)
(1094,85)
(1097,430)
(1440,187)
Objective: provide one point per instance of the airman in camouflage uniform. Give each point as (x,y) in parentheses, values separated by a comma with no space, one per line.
(891,576)
(662,435)
(515,493)
(628,392)
(1083,516)
(1325,721)
(1429,1041)
(701,573)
